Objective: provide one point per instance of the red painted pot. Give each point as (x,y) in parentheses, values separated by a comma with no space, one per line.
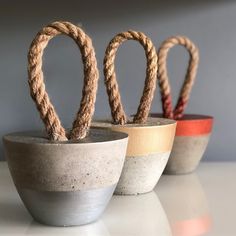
(193,131)
(191,139)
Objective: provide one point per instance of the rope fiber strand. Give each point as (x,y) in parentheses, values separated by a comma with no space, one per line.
(38,93)
(117,110)
(189,77)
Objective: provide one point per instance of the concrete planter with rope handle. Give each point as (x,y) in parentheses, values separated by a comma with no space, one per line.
(193,131)
(150,139)
(65,178)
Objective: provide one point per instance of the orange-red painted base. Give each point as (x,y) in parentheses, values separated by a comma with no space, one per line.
(192,125)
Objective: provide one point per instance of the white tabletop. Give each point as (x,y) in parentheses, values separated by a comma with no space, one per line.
(202,203)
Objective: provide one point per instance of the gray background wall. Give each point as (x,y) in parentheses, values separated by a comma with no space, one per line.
(210,24)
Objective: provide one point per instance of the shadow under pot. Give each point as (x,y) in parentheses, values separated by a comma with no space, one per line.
(148,151)
(191,139)
(65,183)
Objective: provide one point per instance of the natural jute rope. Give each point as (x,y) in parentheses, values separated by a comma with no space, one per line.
(37,86)
(189,78)
(117,110)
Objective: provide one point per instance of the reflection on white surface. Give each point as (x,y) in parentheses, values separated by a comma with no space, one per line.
(185,203)
(95,229)
(14,218)
(137,215)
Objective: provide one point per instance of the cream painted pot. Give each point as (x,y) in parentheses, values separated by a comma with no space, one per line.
(69,182)
(148,151)
(191,140)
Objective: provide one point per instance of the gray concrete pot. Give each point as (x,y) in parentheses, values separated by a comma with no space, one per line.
(66,183)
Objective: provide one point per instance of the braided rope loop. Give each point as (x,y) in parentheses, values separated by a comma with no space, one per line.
(117,110)
(37,87)
(189,77)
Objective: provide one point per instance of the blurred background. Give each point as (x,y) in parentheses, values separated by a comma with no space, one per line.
(209,24)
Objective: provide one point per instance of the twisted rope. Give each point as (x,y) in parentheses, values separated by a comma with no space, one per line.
(117,110)
(189,77)
(37,87)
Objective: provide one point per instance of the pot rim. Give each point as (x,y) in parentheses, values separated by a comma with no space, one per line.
(187,117)
(39,137)
(192,124)
(152,122)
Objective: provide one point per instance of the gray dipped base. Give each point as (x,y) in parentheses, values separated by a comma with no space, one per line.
(66,208)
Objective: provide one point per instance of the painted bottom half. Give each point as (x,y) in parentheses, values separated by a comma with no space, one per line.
(66,208)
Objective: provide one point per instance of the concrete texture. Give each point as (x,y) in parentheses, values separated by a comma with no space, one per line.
(210,24)
(65,166)
(141,173)
(66,208)
(186,154)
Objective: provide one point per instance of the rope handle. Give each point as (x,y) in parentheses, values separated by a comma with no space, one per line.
(189,77)
(117,110)
(47,112)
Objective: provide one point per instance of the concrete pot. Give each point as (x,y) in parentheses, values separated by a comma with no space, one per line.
(193,131)
(66,183)
(186,206)
(148,151)
(192,136)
